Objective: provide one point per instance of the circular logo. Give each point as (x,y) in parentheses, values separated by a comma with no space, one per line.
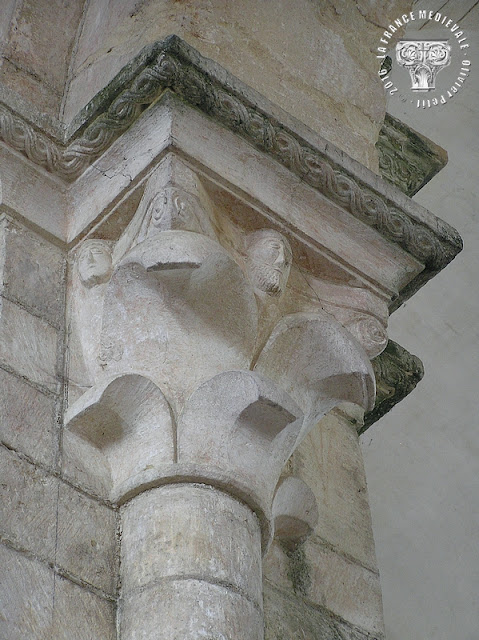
(429,66)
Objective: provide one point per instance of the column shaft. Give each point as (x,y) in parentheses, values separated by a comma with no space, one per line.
(191,566)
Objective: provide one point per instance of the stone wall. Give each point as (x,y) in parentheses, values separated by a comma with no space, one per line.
(312,59)
(328,586)
(35,59)
(58,545)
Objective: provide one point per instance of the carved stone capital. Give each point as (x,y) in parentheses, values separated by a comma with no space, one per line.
(423,59)
(196,363)
(196,410)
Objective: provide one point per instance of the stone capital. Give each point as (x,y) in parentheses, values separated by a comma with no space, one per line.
(423,59)
(234,309)
(188,365)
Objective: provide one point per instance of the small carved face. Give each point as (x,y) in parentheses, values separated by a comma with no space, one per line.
(94,263)
(167,210)
(174,209)
(269,261)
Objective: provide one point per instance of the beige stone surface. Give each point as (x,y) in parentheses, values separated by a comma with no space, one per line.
(345,588)
(27,85)
(8,9)
(28,506)
(189,609)
(32,194)
(86,539)
(315,359)
(33,272)
(33,48)
(191,531)
(330,462)
(27,419)
(289,617)
(323,577)
(36,604)
(28,345)
(80,614)
(85,466)
(26,597)
(34,42)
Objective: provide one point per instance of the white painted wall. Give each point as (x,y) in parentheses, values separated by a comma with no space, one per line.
(422,460)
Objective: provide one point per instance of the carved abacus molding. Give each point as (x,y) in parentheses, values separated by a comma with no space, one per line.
(175,66)
(397,373)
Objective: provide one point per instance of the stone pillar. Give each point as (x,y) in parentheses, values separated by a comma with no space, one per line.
(191,565)
(201,390)
(229,277)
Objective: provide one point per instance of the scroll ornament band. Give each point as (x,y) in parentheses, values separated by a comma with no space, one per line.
(173,65)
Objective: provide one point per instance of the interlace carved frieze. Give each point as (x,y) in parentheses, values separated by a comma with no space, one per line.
(22,137)
(407,159)
(397,373)
(175,66)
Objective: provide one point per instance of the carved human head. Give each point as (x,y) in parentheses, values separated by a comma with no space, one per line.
(94,262)
(269,260)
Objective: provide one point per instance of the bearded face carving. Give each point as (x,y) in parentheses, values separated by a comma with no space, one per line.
(269,261)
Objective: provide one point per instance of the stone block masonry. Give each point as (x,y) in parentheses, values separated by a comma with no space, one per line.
(58,546)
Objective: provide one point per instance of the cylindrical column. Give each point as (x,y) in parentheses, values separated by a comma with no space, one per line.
(191,566)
